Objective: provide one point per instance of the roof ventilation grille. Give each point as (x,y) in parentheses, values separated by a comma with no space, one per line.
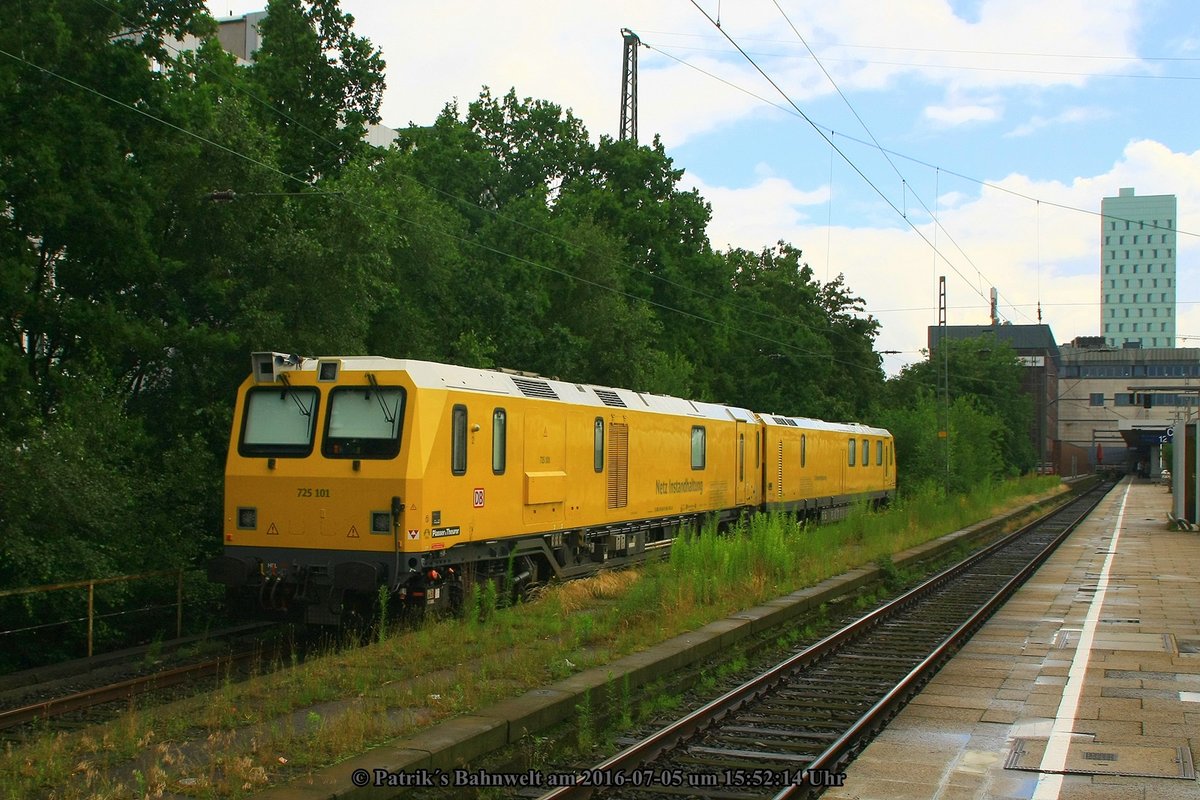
(532,388)
(610,398)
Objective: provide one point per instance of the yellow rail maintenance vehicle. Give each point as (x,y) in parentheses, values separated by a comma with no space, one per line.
(347,474)
(819,470)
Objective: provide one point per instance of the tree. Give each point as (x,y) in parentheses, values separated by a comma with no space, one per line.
(321,82)
(989,414)
(75,233)
(800,347)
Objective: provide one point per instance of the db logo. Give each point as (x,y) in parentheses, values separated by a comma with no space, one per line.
(479,498)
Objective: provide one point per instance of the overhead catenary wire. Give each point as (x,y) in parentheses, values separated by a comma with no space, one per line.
(865,127)
(950,50)
(845,158)
(888,151)
(966,67)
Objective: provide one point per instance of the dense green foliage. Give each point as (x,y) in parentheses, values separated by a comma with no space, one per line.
(502,235)
(985,416)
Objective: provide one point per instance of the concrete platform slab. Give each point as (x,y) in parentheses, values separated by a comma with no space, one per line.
(1103,664)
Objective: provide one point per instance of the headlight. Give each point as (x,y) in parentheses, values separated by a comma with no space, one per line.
(247,518)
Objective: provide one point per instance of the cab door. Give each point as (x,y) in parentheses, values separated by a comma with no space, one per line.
(747,444)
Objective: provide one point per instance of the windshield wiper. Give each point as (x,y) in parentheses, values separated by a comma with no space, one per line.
(388,416)
(304,412)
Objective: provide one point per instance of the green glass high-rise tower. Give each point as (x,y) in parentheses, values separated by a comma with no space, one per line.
(1137,269)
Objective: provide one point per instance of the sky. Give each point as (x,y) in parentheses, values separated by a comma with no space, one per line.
(892,142)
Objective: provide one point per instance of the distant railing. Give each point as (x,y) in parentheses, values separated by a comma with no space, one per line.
(91,617)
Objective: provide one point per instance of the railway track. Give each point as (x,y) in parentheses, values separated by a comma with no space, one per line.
(121,690)
(81,690)
(790,731)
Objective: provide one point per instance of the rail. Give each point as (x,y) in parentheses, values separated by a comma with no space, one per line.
(632,769)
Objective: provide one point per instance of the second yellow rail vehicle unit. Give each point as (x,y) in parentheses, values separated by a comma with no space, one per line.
(346,474)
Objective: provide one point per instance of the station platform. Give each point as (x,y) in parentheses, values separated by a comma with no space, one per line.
(1086,684)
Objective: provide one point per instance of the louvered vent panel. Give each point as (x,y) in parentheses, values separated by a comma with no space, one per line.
(780,483)
(610,398)
(532,388)
(779,420)
(618,465)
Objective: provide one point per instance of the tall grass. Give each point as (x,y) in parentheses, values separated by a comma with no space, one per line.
(233,741)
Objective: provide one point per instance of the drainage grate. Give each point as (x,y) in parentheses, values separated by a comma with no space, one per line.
(1085,758)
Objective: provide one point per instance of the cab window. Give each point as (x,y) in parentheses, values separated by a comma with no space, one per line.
(866,454)
(364,422)
(803,448)
(279,422)
(879,453)
(853,449)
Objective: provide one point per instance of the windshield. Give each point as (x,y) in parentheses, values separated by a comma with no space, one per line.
(279,422)
(364,422)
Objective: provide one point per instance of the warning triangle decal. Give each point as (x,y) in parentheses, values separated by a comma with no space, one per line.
(353,534)
(273,531)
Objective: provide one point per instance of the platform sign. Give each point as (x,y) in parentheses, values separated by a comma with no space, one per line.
(1156,436)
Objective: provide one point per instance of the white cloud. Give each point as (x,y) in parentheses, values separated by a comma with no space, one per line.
(951,199)
(1069,116)
(754,216)
(570,53)
(1030,251)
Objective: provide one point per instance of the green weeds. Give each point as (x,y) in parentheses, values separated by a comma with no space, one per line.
(238,738)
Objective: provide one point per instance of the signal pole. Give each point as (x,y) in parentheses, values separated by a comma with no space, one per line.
(629,86)
(944,376)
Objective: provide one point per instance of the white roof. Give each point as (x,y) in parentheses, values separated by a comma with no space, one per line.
(426,374)
(850,428)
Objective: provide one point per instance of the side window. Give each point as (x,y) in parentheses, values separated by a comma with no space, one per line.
(853,449)
(499,440)
(803,448)
(458,440)
(741,457)
(866,446)
(698,447)
(879,453)
(598,445)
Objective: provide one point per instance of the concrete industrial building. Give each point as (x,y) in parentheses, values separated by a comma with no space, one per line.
(1097,406)
(1121,404)
(1137,269)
